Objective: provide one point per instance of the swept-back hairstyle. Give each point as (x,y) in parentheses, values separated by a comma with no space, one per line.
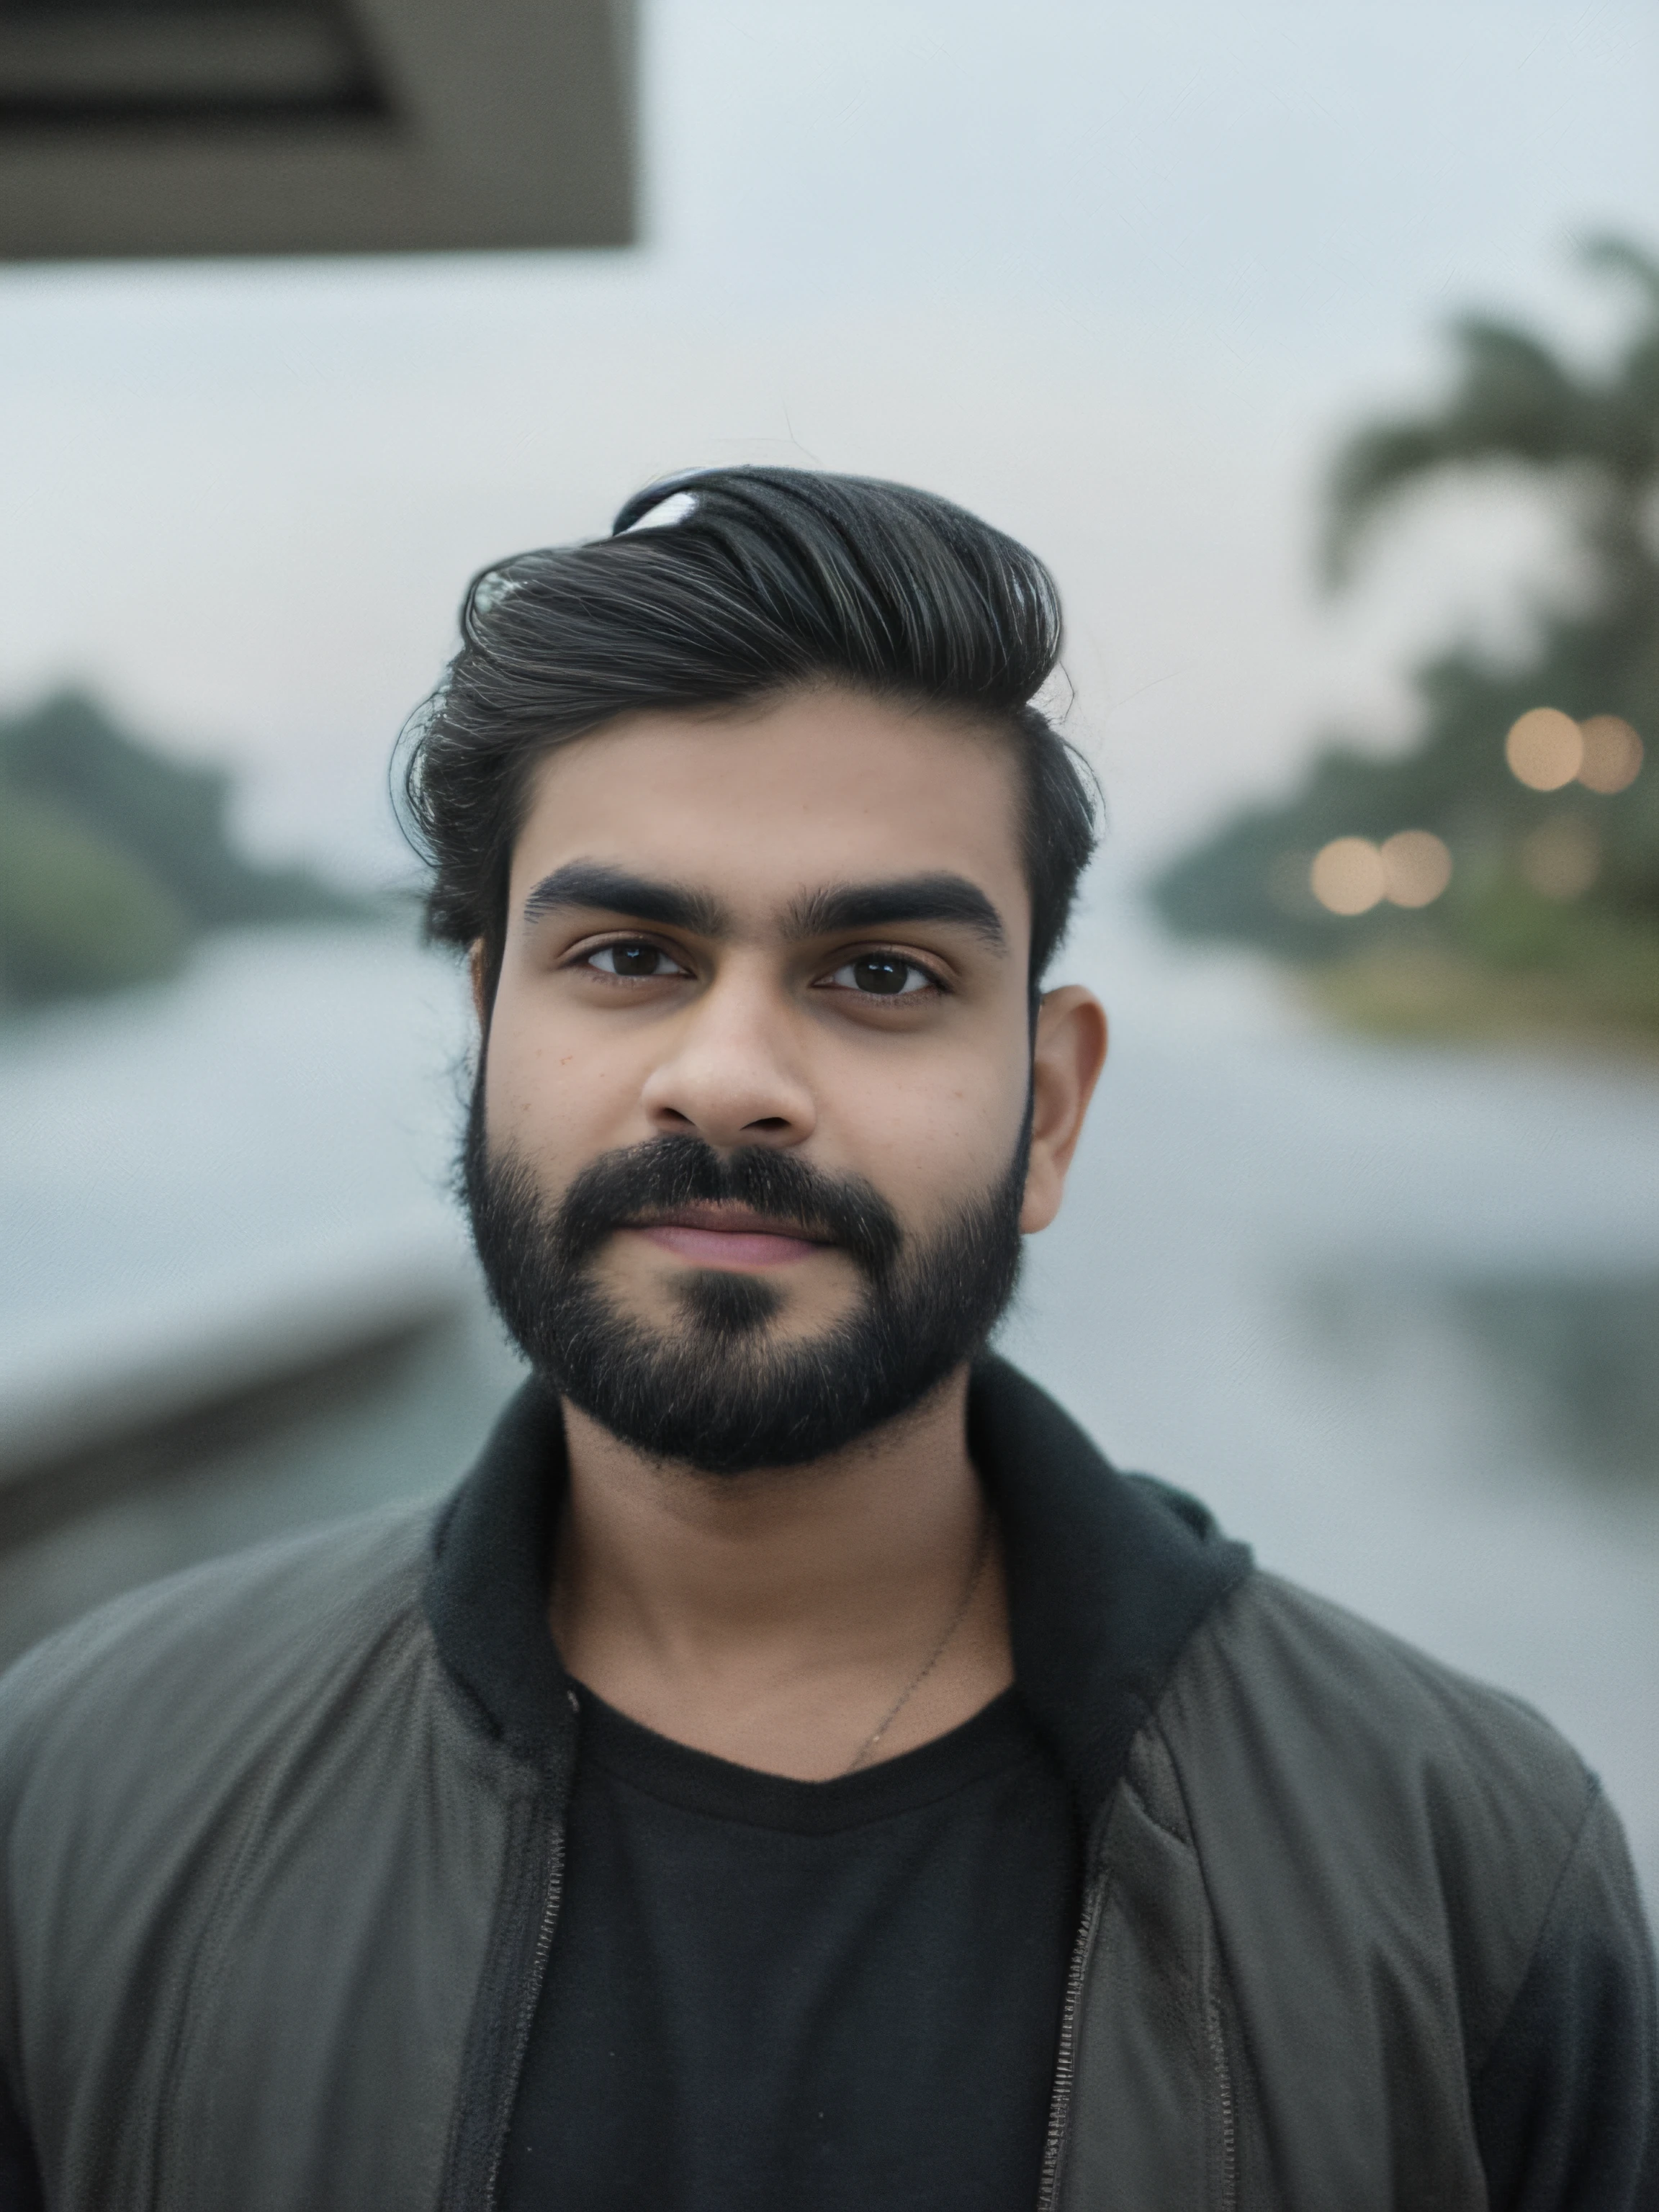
(764,580)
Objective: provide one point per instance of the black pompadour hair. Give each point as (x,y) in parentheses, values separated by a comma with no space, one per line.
(765,580)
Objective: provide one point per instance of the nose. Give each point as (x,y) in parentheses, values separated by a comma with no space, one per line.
(733,1076)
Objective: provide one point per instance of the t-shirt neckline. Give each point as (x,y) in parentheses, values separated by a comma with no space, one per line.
(997,1737)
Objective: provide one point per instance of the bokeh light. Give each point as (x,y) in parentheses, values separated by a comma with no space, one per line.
(1545,749)
(1562,859)
(1613,754)
(1351,875)
(1348,875)
(1417,866)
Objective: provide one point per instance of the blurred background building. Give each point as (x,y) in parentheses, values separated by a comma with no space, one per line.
(313,126)
(1317,350)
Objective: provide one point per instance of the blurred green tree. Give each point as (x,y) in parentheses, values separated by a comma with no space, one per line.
(76,913)
(1552,912)
(113,858)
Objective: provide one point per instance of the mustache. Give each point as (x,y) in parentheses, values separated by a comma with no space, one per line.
(623,1188)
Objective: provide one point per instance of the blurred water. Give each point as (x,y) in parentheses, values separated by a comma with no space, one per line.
(162,1154)
(1394,1313)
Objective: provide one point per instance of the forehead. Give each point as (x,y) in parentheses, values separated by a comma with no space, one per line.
(823,786)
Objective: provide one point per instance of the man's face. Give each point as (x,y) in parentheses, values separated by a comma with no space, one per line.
(760,1051)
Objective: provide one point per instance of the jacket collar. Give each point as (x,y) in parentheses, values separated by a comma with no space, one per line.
(1108,1575)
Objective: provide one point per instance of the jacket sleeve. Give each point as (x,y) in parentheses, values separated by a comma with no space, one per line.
(1566,2104)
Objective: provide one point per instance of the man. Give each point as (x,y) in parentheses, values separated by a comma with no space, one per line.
(793,1768)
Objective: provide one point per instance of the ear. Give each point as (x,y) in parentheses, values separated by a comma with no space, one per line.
(1066,1057)
(476,968)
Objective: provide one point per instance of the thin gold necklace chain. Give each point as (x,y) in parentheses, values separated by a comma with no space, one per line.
(980,1552)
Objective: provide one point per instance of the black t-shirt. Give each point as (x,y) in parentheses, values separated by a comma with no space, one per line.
(768,1994)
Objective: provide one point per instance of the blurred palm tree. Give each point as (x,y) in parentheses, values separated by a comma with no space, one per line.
(1517,400)
(1587,940)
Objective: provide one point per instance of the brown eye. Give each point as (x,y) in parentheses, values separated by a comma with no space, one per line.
(883,975)
(629,959)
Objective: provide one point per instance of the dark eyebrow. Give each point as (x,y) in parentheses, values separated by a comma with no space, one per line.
(613,890)
(908,898)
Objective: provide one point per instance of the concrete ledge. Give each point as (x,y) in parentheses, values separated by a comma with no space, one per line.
(117,1379)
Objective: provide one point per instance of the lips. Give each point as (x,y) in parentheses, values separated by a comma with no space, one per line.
(726,1237)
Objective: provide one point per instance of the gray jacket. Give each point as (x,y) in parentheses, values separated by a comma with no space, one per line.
(283,1841)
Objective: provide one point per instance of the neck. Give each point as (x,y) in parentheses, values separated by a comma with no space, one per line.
(773,1619)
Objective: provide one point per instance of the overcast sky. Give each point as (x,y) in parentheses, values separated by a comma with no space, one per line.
(1116,275)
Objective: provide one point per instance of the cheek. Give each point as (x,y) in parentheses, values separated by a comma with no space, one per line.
(930,1140)
(544,1094)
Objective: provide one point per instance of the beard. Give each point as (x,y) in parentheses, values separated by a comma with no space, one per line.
(725,1393)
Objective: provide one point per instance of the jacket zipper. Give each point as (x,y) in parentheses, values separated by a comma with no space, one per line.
(1224,2080)
(1059,2110)
(551,1899)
